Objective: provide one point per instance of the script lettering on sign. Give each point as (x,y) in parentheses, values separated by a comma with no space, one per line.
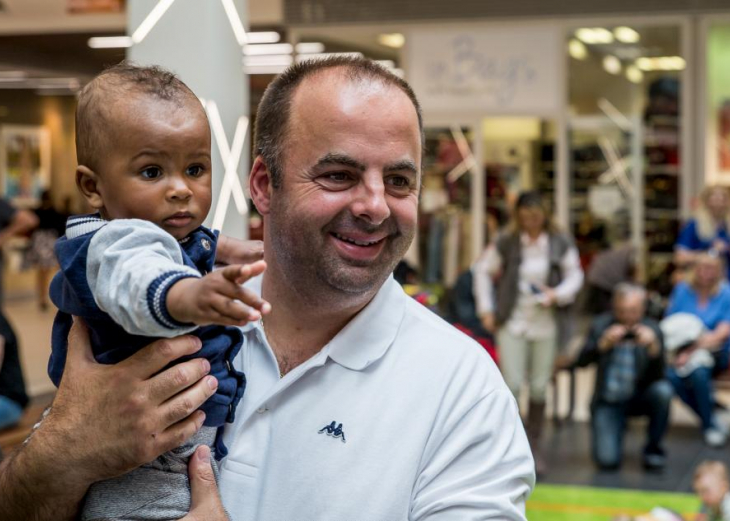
(495,70)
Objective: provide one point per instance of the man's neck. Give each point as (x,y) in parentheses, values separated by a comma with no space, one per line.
(300,325)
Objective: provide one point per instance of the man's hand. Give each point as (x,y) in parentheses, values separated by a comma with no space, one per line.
(611,336)
(646,337)
(235,251)
(127,414)
(487,320)
(218,297)
(104,421)
(205,504)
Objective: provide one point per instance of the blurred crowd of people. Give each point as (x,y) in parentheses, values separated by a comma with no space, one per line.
(520,299)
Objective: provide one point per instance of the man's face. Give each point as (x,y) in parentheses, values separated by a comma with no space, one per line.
(346,210)
(629,310)
(158,168)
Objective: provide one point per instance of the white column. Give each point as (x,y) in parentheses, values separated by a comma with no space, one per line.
(200,40)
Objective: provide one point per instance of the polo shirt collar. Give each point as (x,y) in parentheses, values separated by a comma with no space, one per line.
(367,337)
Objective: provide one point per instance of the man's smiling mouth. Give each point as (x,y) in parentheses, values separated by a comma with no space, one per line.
(356,242)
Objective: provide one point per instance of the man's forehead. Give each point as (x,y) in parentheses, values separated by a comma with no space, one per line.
(339,89)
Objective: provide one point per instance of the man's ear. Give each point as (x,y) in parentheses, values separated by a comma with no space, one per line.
(88,182)
(260,187)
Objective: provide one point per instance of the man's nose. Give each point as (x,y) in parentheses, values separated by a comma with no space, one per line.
(370,203)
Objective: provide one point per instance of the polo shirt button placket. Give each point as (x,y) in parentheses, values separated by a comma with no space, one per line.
(262,409)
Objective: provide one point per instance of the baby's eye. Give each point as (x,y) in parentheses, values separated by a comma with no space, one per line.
(151,172)
(195,171)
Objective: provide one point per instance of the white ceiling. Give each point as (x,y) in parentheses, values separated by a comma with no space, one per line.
(50,16)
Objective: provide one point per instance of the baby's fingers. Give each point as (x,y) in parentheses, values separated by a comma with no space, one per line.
(233,291)
(240,273)
(235,311)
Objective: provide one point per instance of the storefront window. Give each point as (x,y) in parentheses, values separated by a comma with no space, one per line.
(718,108)
(444,221)
(518,156)
(624,131)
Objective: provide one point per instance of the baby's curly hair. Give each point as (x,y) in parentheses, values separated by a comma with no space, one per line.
(94,123)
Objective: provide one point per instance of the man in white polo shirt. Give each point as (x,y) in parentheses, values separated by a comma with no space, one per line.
(360,404)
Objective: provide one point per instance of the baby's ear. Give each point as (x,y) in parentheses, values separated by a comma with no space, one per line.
(88,182)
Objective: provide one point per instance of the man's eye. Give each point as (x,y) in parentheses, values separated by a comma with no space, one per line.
(399,181)
(338,176)
(151,172)
(195,171)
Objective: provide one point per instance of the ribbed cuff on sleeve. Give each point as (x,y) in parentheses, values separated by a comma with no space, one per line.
(157,298)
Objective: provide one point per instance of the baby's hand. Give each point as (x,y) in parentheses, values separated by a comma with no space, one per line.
(218,298)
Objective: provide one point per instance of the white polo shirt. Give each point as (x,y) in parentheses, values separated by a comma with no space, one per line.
(399,417)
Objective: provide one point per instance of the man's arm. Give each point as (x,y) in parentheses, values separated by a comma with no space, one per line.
(21,222)
(104,421)
(481,467)
(590,351)
(237,251)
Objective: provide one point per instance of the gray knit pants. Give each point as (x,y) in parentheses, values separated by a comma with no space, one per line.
(157,491)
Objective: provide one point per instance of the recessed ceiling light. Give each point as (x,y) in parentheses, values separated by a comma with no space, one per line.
(594,35)
(392,40)
(263,37)
(626,34)
(309,47)
(611,64)
(267,48)
(661,63)
(577,49)
(634,74)
(110,42)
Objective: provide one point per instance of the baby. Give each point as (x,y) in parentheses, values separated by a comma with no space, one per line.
(142,266)
(713,487)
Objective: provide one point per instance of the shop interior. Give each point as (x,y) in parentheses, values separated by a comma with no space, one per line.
(620,164)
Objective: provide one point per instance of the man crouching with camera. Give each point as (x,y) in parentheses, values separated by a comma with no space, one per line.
(629,350)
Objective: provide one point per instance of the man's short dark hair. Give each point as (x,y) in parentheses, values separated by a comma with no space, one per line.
(275,108)
(93,122)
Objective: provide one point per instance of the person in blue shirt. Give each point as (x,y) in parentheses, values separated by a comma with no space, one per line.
(705,294)
(143,265)
(709,230)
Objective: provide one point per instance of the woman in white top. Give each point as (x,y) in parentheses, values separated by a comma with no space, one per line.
(523,283)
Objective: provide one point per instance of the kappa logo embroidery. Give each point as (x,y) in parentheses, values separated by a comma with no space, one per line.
(334,430)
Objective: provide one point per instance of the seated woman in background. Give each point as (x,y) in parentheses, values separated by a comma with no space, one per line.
(708,230)
(705,294)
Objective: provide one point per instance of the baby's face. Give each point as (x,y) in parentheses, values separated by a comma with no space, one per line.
(159,166)
(711,489)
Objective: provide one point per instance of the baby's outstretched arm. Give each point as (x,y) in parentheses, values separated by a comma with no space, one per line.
(218,298)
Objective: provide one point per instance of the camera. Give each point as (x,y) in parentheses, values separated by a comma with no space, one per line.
(630,336)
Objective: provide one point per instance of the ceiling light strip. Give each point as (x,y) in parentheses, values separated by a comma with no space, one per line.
(235,22)
(149,23)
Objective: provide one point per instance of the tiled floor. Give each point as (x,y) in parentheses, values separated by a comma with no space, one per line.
(568,450)
(33,329)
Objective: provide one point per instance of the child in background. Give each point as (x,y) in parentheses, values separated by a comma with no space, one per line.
(712,485)
(143,265)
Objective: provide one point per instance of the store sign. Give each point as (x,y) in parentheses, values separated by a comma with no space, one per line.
(94,6)
(497,70)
